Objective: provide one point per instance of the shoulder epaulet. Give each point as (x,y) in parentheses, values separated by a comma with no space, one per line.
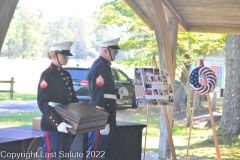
(100,63)
(49,69)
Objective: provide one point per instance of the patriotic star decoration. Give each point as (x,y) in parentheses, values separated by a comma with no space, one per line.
(210,77)
(194,78)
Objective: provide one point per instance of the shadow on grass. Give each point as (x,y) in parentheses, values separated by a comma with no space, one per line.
(206,149)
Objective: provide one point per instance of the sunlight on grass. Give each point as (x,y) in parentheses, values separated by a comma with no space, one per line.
(17,96)
(18,119)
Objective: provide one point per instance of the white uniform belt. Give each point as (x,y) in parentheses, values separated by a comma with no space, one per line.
(111,96)
(53,104)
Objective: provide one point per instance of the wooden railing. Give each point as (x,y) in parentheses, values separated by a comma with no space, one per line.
(11,87)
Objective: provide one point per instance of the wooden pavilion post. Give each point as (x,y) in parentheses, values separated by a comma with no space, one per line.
(166,35)
(166,119)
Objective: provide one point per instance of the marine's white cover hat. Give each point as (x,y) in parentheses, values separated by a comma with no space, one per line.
(111,43)
(62,48)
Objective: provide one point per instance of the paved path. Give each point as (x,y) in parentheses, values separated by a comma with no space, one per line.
(13,106)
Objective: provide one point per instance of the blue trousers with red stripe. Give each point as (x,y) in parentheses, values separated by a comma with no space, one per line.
(56,145)
(97,145)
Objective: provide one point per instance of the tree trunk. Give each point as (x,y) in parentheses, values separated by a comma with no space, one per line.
(178,91)
(230,121)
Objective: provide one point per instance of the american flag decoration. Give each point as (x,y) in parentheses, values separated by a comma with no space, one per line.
(210,77)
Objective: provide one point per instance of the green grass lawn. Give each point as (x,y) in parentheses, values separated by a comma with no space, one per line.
(201,144)
(18,119)
(17,96)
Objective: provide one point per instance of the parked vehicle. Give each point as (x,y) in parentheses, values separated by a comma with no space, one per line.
(124,85)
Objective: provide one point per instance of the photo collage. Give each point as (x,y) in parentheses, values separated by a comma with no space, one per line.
(153,84)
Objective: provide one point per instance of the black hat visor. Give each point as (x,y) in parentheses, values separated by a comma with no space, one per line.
(114,47)
(65,52)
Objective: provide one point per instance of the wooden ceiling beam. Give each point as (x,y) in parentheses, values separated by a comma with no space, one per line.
(213,17)
(206,9)
(140,14)
(7,9)
(173,32)
(174,12)
(208,4)
(224,30)
(206,1)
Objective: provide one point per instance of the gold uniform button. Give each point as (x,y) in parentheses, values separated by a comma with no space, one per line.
(56,124)
(53,120)
(69,99)
(70,93)
(63,78)
(69,88)
(66,83)
(61,73)
(50,117)
(58,68)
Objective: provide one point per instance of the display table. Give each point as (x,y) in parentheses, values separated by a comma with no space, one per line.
(126,143)
(17,139)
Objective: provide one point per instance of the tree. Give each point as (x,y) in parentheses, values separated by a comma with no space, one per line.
(29,34)
(85,39)
(231,110)
(140,42)
(191,46)
(24,37)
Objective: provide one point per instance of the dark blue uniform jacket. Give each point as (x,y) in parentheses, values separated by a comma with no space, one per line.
(55,85)
(101,70)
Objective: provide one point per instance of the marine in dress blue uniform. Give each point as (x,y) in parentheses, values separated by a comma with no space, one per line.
(103,96)
(55,87)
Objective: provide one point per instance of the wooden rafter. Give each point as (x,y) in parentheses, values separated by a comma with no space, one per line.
(209,16)
(174,12)
(135,8)
(7,9)
(161,30)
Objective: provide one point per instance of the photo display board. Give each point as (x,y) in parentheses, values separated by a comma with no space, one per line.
(153,84)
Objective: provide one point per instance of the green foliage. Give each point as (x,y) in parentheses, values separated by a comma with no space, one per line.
(24,37)
(140,42)
(193,45)
(29,34)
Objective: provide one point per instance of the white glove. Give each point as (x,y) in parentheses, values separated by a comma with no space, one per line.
(62,127)
(53,104)
(106,130)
